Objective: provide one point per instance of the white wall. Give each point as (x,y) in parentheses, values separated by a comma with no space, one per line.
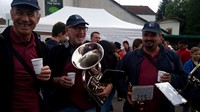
(171,23)
(2,27)
(148,17)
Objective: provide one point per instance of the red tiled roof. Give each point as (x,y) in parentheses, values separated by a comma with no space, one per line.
(142,10)
(128,11)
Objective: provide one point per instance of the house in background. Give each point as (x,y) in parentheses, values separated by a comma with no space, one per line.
(2,21)
(172,25)
(142,11)
(169,26)
(2,24)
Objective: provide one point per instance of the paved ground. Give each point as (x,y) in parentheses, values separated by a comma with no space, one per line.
(118,105)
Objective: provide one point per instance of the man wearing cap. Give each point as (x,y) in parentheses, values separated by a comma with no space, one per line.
(18,45)
(68,97)
(141,67)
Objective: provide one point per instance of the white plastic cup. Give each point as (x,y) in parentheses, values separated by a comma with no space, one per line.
(72,75)
(160,73)
(37,64)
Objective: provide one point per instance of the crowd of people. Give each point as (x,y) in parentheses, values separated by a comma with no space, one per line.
(52,90)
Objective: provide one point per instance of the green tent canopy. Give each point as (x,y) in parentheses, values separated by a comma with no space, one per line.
(192,40)
(182,36)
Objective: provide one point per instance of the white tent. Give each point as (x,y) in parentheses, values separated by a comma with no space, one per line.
(110,27)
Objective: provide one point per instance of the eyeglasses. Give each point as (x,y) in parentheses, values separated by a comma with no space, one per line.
(78,29)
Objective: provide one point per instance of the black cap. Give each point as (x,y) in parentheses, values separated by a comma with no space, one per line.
(117,45)
(151,27)
(75,20)
(32,3)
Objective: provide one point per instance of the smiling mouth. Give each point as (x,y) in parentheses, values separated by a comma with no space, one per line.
(24,25)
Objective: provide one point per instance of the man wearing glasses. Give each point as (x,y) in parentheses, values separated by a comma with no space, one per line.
(69,97)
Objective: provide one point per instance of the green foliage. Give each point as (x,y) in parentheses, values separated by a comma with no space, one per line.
(161,11)
(192,18)
(186,11)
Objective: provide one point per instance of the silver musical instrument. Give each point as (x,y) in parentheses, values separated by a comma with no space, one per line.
(87,57)
(195,82)
(192,79)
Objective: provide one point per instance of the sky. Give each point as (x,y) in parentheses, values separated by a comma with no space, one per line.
(152,4)
(4,7)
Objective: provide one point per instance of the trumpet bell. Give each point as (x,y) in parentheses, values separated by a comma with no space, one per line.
(87,55)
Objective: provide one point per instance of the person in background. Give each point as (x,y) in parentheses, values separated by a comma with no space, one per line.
(137,44)
(118,50)
(193,95)
(119,53)
(141,69)
(18,45)
(167,45)
(59,35)
(183,51)
(193,62)
(66,96)
(95,37)
(127,48)
(109,61)
(48,38)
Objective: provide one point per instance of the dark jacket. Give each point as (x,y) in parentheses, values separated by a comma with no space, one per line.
(7,68)
(59,56)
(51,43)
(168,61)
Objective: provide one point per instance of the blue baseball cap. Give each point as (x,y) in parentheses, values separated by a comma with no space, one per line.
(75,20)
(32,3)
(151,27)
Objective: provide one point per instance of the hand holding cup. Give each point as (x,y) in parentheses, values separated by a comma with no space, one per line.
(72,75)
(163,76)
(37,65)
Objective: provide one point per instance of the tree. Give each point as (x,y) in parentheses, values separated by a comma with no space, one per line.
(192,18)
(161,10)
(177,9)
(187,11)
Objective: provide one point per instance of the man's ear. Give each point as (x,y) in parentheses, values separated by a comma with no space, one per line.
(160,37)
(38,18)
(11,13)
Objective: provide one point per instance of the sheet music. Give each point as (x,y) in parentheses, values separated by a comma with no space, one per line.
(172,95)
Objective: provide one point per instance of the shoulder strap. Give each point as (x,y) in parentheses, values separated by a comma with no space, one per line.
(22,61)
(1,36)
(150,59)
